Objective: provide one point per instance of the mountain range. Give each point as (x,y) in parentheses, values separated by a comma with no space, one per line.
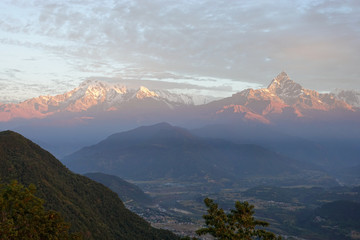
(65,123)
(93,96)
(283,135)
(283,98)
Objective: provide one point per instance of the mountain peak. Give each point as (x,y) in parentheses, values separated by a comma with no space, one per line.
(283,86)
(91,85)
(282,75)
(161,130)
(280,80)
(144,92)
(161,125)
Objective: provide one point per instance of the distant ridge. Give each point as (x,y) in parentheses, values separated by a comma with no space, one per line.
(91,208)
(163,151)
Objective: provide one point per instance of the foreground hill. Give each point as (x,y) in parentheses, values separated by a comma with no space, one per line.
(162,151)
(90,207)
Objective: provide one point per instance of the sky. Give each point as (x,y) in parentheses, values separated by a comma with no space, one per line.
(208,47)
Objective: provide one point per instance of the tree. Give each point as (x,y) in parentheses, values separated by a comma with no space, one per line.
(235,225)
(23,216)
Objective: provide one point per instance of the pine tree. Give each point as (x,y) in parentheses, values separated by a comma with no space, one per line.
(238,224)
(23,216)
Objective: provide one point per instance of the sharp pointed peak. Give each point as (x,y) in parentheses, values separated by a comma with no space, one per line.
(280,80)
(283,76)
(284,87)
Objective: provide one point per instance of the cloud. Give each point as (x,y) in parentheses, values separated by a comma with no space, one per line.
(189,84)
(246,41)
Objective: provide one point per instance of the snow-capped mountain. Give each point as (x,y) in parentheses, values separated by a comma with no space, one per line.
(293,94)
(91,95)
(285,88)
(351,97)
(282,99)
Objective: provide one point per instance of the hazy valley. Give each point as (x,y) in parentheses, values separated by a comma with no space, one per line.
(179,120)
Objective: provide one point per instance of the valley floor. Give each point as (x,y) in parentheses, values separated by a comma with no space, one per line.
(295,212)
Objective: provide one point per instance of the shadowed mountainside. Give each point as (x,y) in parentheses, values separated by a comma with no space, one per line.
(96,109)
(127,192)
(91,208)
(162,151)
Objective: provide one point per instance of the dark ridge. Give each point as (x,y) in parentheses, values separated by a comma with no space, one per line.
(167,152)
(90,207)
(127,192)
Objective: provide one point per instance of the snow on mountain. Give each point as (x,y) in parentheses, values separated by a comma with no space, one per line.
(285,88)
(293,94)
(143,92)
(90,95)
(283,98)
(351,97)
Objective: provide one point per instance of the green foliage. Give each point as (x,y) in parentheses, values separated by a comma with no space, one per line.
(126,191)
(23,216)
(91,209)
(236,225)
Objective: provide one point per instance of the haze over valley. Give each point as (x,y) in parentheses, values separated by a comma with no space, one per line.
(149,119)
(281,138)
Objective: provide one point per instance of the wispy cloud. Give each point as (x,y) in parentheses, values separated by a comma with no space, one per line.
(246,41)
(187,84)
